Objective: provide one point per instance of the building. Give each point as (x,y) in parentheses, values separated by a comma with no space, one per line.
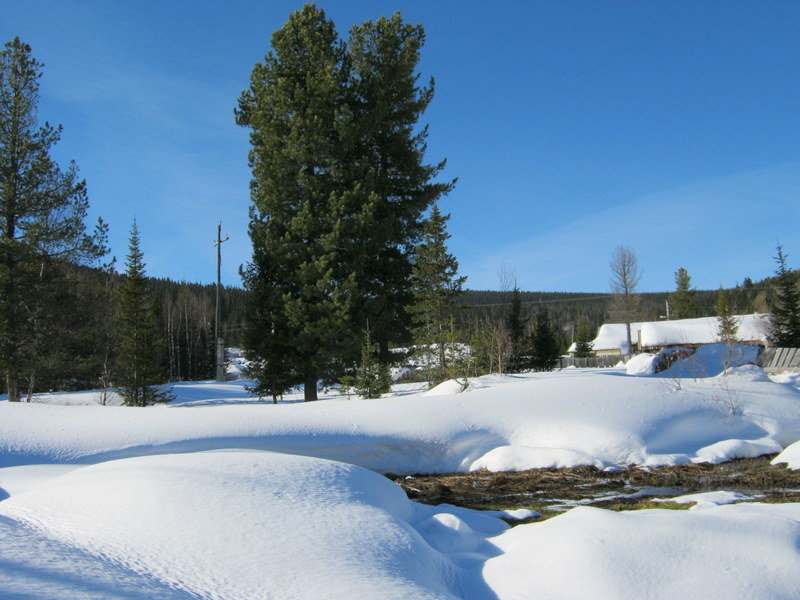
(653,336)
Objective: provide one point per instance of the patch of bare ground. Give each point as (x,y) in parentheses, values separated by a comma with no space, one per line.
(552,491)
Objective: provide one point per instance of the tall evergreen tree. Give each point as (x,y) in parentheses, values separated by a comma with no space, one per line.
(515,324)
(387,161)
(544,343)
(584,335)
(302,221)
(726,323)
(42,212)
(139,368)
(684,300)
(435,286)
(785,306)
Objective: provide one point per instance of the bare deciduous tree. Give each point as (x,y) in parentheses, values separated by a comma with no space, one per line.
(625,276)
(507,276)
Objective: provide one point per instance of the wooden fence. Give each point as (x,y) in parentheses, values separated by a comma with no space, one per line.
(592,363)
(772,360)
(777,360)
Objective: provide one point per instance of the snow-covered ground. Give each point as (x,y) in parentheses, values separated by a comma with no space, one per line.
(221,496)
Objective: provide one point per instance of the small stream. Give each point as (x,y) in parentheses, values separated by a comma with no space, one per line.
(553,491)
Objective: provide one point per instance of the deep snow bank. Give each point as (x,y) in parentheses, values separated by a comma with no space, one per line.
(563,419)
(243,524)
(717,553)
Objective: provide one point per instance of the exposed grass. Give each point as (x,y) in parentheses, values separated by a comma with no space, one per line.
(551,491)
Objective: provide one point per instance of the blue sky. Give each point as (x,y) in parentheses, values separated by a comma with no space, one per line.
(573,127)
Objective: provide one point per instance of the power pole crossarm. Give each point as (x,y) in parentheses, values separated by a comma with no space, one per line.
(220,344)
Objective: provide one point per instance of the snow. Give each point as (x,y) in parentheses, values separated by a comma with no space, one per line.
(451,386)
(713,359)
(610,336)
(751,328)
(220,496)
(342,522)
(718,553)
(641,364)
(707,499)
(790,456)
(236,365)
(597,417)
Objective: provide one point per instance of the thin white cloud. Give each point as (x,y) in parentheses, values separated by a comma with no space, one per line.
(715,226)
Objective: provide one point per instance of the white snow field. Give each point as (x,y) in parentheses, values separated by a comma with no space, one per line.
(219,496)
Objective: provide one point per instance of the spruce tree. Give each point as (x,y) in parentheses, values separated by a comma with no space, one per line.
(435,286)
(387,162)
(372,377)
(544,343)
(726,323)
(785,306)
(138,369)
(684,300)
(42,213)
(302,222)
(584,336)
(515,324)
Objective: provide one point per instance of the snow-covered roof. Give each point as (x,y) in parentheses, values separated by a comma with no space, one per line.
(611,336)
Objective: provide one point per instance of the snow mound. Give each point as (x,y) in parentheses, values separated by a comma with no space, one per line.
(708,499)
(729,449)
(789,456)
(536,420)
(522,458)
(234,525)
(711,554)
(791,379)
(451,386)
(641,364)
(749,372)
(711,360)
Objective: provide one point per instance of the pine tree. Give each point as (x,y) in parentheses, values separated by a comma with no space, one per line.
(435,286)
(584,336)
(302,222)
(544,343)
(515,324)
(138,368)
(726,323)
(42,212)
(387,161)
(785,306)
(372,377)
(684,301)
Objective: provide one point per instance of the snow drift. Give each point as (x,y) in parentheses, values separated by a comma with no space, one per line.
(246,524)
(604,418)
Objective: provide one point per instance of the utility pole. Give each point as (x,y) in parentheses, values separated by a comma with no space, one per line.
(217,337)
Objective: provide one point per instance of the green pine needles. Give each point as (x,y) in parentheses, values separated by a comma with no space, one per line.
(435,286)
(42,231)
(785,306)
(339,193)
(726,323)
(138,368)
(584,336)
(372,377)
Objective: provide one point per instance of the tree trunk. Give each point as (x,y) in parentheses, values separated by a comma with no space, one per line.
(383,351)
(310,388)
(31,382)
(12,386)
